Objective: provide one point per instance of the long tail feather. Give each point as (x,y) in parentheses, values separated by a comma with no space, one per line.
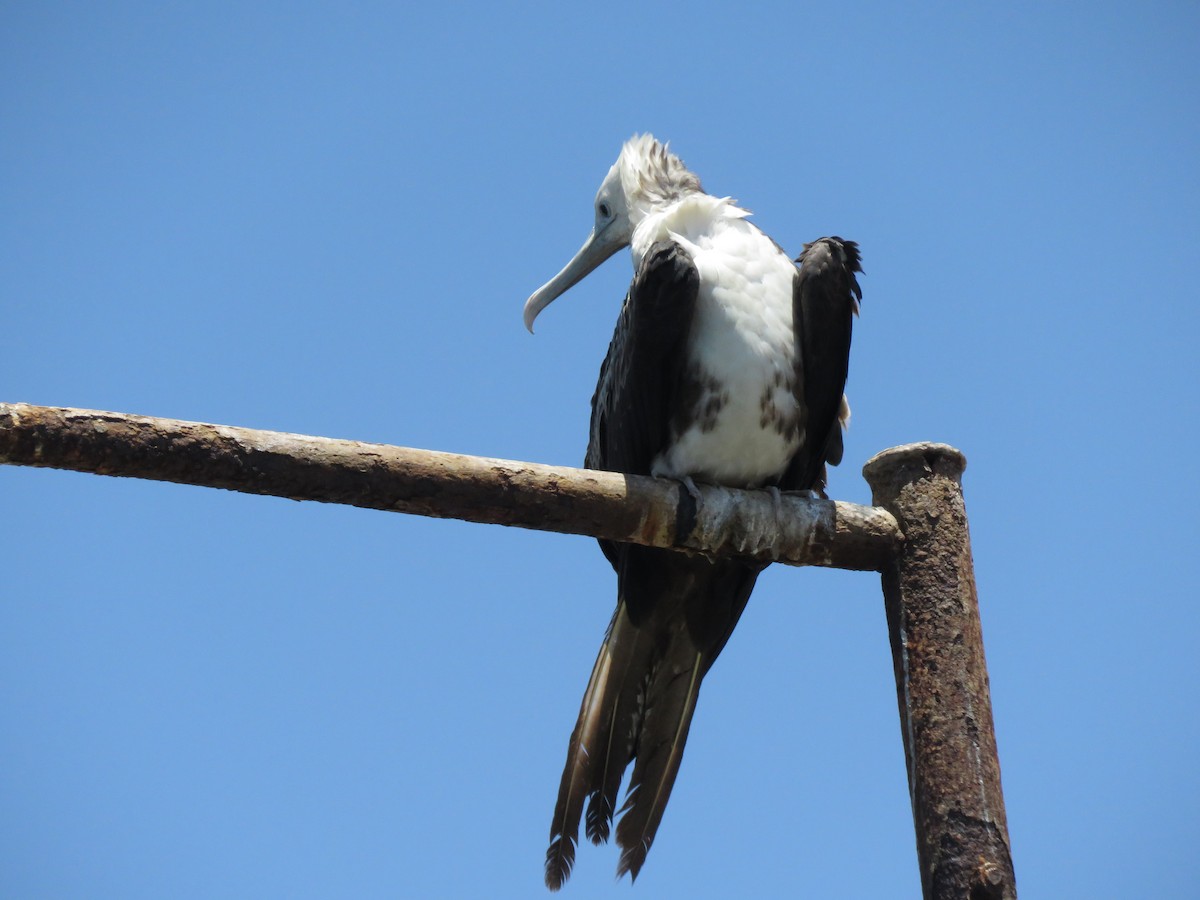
(622,654)
(618,747)
(564,829)
(670,705)
(639,703)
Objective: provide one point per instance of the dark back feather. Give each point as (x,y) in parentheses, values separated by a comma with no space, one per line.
(826,299)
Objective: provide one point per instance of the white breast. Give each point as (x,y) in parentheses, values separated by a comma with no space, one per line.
(743,348)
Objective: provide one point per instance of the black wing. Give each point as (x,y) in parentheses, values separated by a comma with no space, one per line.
(646,361)
(825,302)
(674,612)
(642,378)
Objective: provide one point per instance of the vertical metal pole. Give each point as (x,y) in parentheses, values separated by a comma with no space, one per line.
(941,677)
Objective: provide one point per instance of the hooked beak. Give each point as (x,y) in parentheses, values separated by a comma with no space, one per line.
(595,250)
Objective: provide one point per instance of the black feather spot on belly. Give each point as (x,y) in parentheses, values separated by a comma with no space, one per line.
(702,397)
(785,422)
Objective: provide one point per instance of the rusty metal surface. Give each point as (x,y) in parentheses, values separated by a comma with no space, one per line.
(941,677)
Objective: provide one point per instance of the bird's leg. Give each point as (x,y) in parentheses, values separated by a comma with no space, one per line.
(776,500)
(690,487)
(687,512)
(777,505)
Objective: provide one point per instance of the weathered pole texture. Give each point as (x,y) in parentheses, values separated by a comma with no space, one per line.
(941,677)
(650,511)
(916,535)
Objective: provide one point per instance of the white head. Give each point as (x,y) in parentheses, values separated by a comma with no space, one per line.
(645,177)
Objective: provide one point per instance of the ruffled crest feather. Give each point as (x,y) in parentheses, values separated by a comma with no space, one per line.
(651,175)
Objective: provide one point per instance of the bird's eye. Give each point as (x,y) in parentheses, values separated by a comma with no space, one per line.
(604,210)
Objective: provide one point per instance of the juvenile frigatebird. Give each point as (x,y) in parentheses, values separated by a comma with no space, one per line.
(727,367)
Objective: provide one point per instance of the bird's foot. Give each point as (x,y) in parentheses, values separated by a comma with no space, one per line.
(777,506)
(687,512)
(776,500)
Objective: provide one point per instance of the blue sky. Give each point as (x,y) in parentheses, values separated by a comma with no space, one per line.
(325,220)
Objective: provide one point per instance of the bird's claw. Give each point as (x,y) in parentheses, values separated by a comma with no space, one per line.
(776,500)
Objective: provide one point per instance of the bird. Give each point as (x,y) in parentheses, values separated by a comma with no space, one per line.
(727,366)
